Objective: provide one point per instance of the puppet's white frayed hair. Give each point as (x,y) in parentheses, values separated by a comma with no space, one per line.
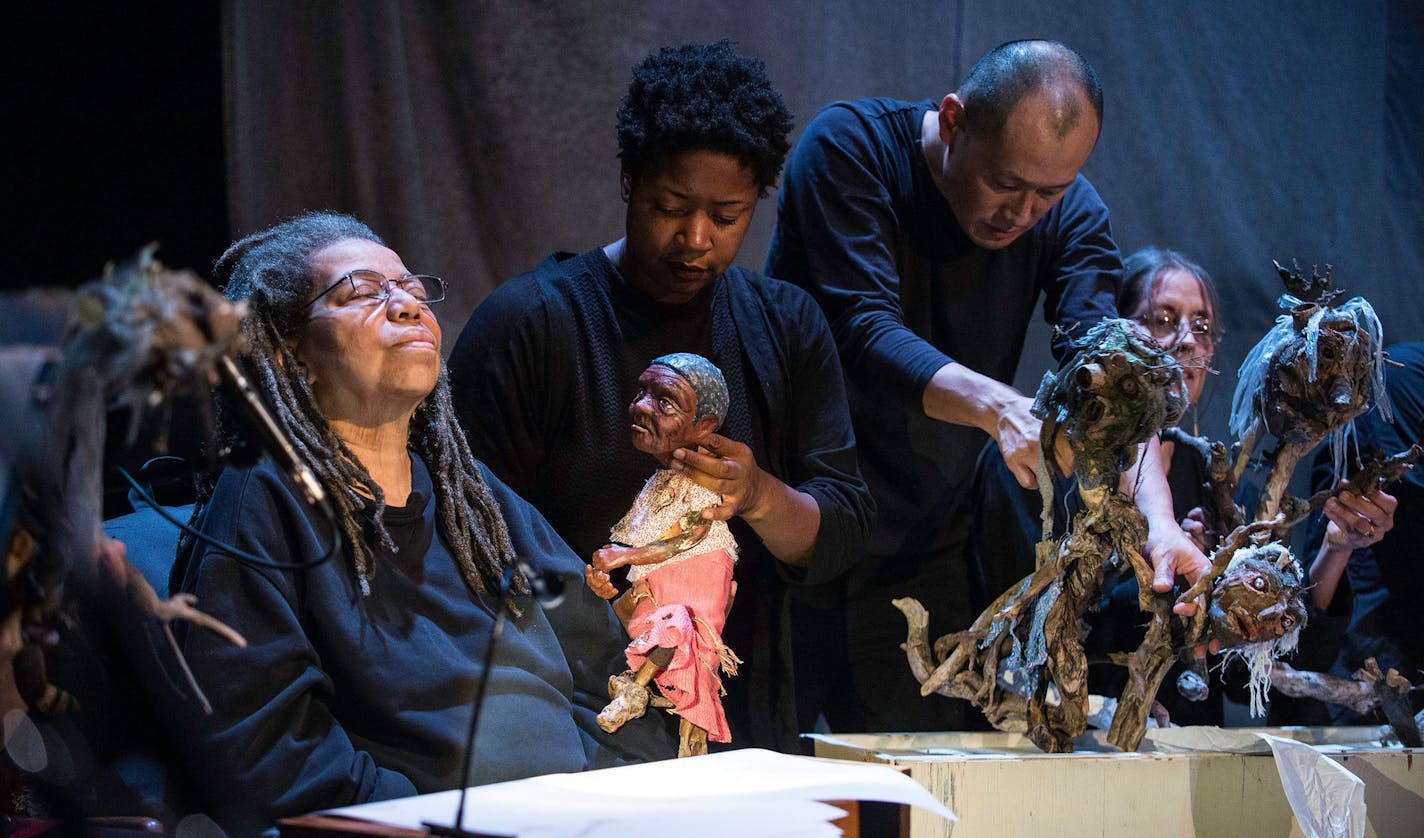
(1251,378)
(1257,657)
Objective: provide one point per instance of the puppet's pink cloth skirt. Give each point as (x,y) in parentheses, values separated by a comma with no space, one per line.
(684,608)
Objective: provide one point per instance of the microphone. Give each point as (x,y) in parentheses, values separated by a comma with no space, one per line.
(273,438)
(548,588)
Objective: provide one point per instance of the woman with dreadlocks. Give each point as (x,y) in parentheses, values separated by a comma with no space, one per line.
(367,629)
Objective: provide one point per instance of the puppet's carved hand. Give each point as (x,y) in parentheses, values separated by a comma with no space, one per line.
(598,582)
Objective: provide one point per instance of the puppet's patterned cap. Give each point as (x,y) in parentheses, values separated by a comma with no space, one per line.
(706,381)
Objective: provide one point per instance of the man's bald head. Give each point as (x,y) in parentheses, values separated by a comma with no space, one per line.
(1011,71)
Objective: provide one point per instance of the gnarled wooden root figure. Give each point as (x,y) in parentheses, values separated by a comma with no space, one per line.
(137,336)
(1312,373)
(1250,601)
(1022,660)
(1303,382)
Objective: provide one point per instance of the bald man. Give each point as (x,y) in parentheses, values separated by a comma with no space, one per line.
(928,231)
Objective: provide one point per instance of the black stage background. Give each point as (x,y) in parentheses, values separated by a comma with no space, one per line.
(476,137)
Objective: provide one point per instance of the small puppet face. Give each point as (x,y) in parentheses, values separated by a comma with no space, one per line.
(1255,601)
(1320,379)
(1118,390)
(663,414)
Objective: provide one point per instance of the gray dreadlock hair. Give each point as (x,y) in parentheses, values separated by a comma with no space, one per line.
(271,270)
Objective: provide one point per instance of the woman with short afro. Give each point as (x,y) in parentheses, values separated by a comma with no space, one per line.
(544,370)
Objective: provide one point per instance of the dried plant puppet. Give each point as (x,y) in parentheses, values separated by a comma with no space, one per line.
(1022,660)
(1312,373)
(1304,382)
(137,336)
(1256,604)
(1257,599)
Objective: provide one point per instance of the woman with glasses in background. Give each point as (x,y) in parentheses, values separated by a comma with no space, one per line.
(1175,299)
(367,625)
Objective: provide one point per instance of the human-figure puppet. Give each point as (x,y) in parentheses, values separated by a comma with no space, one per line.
(680,563)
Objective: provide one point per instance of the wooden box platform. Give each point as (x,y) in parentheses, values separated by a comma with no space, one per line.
(1001,785)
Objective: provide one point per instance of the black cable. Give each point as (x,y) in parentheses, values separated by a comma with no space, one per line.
(242,556)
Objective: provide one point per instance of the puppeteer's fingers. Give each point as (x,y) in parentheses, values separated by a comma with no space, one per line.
(697,461)
(1162,576)
(720,512)
(717,444)
(1025,477)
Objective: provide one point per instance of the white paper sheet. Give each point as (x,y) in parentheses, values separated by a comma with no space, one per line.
(1328,801)
(747,793)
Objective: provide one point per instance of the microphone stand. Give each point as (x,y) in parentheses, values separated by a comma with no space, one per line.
(264,425)
(548,592)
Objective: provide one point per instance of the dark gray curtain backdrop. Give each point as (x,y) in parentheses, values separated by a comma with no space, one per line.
(477,137)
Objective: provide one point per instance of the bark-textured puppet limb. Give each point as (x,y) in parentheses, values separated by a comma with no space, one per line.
(1369,690)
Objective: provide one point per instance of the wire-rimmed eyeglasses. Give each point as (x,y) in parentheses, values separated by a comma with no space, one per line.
(1167,328)
(359,287)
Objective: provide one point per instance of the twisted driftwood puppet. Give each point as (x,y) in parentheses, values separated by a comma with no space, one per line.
(136,337)
(1022,660)
(1304,382)
(680,563)
(1312,373)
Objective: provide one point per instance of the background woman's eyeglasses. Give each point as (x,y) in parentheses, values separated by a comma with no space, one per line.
(1167,328)
(360,287)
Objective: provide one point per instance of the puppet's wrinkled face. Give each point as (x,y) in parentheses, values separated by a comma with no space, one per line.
(1119,389)
(1256,600)
(1321,378)
(663,414)
(1107,405)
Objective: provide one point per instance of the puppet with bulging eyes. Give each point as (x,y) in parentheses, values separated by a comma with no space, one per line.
(1257,599)
(680,563)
